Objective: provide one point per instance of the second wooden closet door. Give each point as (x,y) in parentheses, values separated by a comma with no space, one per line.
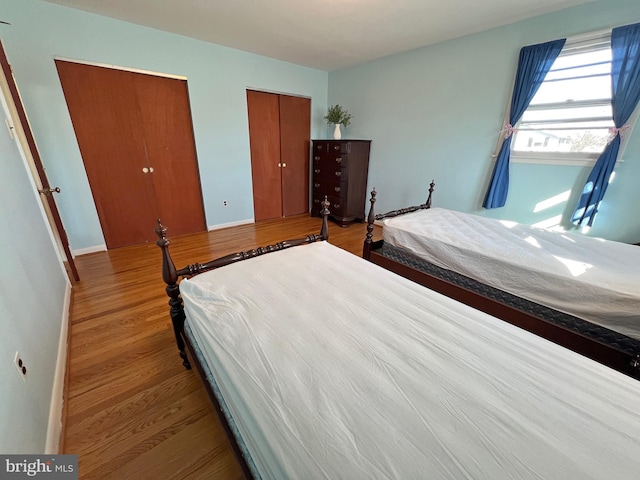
(135,135)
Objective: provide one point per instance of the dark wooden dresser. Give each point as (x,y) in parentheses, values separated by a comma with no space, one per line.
(339,171)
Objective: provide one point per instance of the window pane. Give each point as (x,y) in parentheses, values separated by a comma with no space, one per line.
(566,61)
(583,71)
(583,140)
(573,90)
(559,114)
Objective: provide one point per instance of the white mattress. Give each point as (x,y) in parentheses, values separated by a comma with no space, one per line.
(593,279)
(334,368)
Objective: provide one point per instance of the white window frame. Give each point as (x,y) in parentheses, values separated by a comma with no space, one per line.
(572,158)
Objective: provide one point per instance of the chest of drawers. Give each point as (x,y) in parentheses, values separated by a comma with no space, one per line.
(339,170)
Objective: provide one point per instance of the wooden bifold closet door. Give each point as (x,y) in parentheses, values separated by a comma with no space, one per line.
(136,139)
(280,135)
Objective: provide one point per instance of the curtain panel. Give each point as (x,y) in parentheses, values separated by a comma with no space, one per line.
(533,65)
(625,78)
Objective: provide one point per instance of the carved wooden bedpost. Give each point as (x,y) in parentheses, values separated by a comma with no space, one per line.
(170,277)
(431,185)
(366,250)
(324,230)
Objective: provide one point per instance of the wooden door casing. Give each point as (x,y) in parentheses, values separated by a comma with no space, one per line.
(264,127)
(295,138)
(33,158)
(136,142)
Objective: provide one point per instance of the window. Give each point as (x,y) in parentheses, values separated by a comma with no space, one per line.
(570,116)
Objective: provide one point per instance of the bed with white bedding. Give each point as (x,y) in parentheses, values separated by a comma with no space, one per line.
(572,282)
(594,279)
(355,372)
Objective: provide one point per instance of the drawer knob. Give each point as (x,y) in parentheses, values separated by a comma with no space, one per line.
(336,147)
(338,174)
(339,159)
(336,205)
(317,159)
(315,200)
(317,185)
(317,170)
(337,189)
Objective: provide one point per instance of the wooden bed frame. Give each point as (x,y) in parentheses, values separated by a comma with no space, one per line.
(171,276)
(609,355)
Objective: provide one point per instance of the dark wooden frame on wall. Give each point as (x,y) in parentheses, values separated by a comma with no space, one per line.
(606,354)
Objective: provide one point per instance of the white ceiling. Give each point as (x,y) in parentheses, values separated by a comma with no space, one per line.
(322,34)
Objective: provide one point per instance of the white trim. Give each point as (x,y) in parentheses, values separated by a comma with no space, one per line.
(119,67)
(230,224)
(54,428)
(551,160)
(277,92)
(84,251)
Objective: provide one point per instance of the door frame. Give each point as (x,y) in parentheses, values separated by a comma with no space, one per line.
(22,129)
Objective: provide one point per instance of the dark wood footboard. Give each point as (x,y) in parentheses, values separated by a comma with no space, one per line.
(372,217)
(171,275)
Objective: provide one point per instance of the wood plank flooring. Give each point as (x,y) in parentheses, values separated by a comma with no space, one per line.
(132,410)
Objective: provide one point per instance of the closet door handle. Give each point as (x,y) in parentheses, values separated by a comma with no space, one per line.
(279,165)
(151,169)
(284,165)
(145,170)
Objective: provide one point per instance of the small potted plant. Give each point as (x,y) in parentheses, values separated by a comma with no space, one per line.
(337,116)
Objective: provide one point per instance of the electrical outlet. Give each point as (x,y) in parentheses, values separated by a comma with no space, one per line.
(20,366)
(224,203)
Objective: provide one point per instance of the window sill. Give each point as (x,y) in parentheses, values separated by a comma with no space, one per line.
(558,159)
(551,159)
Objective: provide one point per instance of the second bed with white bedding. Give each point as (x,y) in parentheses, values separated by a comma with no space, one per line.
(593,279)
(359,373)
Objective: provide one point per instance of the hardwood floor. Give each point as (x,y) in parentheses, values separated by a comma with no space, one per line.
(132,410)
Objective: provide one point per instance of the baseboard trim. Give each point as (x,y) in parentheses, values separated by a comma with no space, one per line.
(230,224)
(54,429)
(85,251)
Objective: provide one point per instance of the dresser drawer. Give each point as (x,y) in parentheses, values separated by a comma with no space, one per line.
(323,186)
(328,160)
(331,146)
(329,173)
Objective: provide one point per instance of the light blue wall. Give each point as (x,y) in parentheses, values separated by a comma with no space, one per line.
(217,79)
(435,113)
(32,294)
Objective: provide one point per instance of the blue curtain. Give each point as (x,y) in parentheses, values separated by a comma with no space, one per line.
(534,63)
(625,77)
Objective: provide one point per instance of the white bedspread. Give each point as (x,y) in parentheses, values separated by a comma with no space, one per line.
(593,279)
(335,368)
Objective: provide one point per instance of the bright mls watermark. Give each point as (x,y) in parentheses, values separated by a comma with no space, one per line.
(51,467)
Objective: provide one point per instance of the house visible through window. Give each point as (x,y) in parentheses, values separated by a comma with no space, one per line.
(570,115)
